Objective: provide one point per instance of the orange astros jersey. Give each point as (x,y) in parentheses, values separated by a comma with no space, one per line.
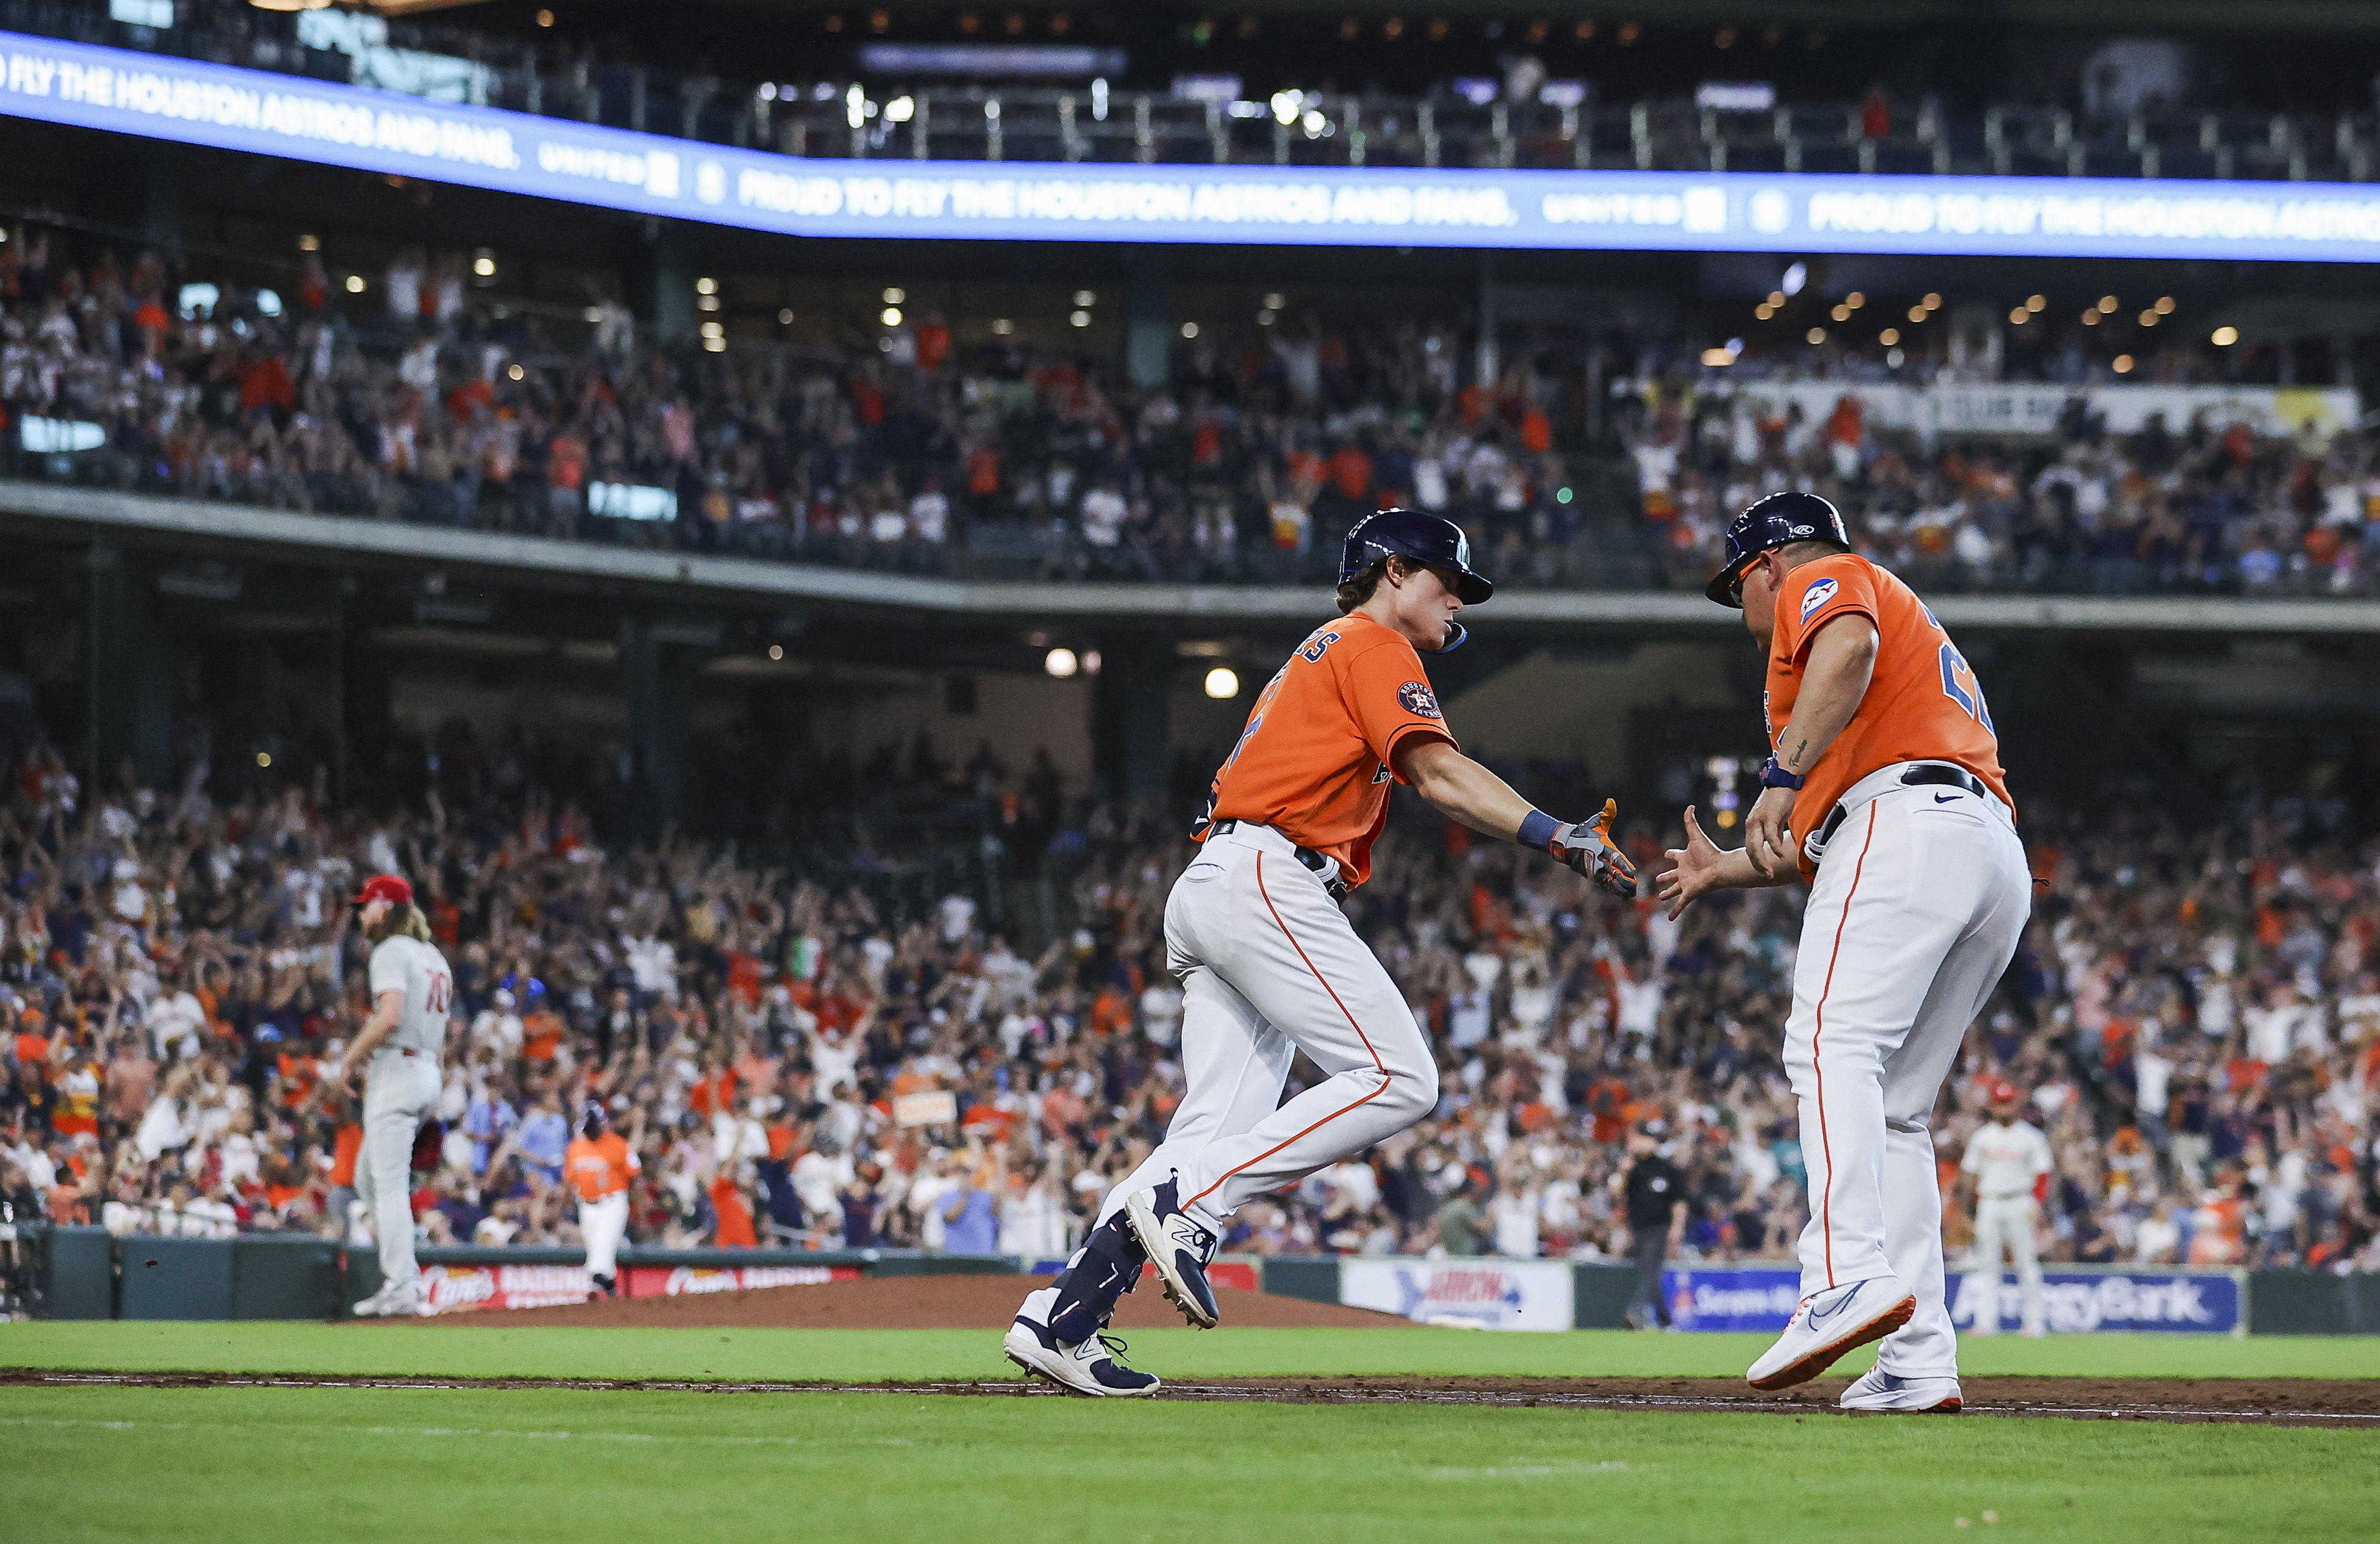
(1923,703)
(600,1167)
(1314,761)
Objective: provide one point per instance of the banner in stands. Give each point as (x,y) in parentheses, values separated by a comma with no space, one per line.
(2073,1300)
(1472,1294)
(197,102)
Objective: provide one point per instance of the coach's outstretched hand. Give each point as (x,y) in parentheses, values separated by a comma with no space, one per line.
(1694,870)
(1587,848)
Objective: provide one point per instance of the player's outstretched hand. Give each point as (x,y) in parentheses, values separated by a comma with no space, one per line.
(1767,833)
(1692,871)
(1587,848)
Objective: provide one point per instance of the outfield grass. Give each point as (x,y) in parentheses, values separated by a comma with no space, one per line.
(526,1466)
(850,1356)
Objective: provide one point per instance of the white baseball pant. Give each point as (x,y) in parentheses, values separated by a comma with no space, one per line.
(603,1223)
(399,1094)
(1915,912)
(2006,1222)
(1270,966)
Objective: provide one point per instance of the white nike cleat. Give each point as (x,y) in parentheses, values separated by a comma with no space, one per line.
(1829,1323)
(1880,1391)
(1088,1366)
(394,1300)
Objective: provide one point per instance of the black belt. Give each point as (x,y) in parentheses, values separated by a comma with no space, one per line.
(1306,855)
(1939,774)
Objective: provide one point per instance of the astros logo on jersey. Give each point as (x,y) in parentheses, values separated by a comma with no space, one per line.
(1418,698)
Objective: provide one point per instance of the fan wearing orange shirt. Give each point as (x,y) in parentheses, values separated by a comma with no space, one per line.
(1885,791)
(1268,964)
(600,1164)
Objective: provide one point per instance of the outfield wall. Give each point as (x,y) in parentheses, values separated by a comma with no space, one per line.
(88,1273)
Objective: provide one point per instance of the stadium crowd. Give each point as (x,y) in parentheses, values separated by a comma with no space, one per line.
(907,450)
(2194,1015)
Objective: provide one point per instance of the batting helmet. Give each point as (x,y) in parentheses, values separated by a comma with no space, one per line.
(1776,521)
(592,1118)
(1424,539)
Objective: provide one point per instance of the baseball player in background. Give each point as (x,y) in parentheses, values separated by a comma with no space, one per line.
(600,1164)
(2009,1165)
(1884,790)
(1268,964)
(398,1047)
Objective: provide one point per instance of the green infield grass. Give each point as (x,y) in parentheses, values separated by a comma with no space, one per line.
(867,1356)
(125,1466)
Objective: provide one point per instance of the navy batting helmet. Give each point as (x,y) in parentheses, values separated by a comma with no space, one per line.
(592,1118)
(1425,539)
(1776,521)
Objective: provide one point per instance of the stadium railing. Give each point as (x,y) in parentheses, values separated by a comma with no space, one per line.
(1444,128)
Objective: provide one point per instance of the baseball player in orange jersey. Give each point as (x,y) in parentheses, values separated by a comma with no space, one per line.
(1884,790)
(1268,964)
(600,1164)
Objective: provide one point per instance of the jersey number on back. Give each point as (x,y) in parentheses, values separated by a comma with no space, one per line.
(441,989)
(1969,696)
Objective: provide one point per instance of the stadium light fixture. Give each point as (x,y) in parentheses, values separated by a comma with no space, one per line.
(545,19)
(484,265)
(1002,327)
(1284,107)
(1932,302)
(1189,328)
(1892,359)
(1222,683)
(263,758)
(706,286)
(785,316)
(2224,337)
(776,651)
(1855,300)
(1085,297)
(518,373)
(1794,277)
(1061,663)
(309,243)
(2106,305)
(1264,319)
(1276,301)
(1841,313)
(1814,335)
(1918,313)
(2019,315)
(2165,304)
(2123,364)
(895,295)
(1763,311)
(1717,358)
(2036,303)
(1888,337)
(900,110)
(2150,318)
(1777,299)
(354,284)
(2091,317)
(1078,318)
(889,315)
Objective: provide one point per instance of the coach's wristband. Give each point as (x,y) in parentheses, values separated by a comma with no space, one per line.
(1537,830)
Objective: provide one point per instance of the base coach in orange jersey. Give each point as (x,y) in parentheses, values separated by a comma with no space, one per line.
(1270,966)
(1885,791)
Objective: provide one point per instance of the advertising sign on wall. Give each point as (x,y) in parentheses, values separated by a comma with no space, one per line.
(1472,1294)
(460,1288)
(2074,1301)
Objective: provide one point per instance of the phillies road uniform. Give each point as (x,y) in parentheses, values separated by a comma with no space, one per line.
(401,1088)
(1919,893)
(2009,1163)
(1268,963)
(599,1168)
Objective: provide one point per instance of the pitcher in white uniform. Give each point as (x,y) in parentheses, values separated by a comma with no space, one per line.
(2007,1160)
(398,1047)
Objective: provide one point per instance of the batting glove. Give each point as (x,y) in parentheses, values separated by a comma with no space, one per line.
(1587,848)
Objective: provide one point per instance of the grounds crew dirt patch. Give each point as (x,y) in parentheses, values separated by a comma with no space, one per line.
(2321,1401)
(904,1303)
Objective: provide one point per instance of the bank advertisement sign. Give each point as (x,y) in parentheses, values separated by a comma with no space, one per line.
(1471,1294)
(197,103)
(2074,1301)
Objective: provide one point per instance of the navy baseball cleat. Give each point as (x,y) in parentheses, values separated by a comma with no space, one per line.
(1180,1250)
(1085,1366)
(1829,1323)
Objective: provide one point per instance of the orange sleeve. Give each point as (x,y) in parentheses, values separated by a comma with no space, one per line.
(1815,595)
(1389,696)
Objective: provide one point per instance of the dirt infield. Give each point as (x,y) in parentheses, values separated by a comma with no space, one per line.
(904,1303)
(2331,1403)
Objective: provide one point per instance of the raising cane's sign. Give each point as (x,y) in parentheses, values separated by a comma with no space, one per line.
(469,1288)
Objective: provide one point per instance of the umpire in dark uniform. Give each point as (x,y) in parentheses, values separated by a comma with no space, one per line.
(1656,1219)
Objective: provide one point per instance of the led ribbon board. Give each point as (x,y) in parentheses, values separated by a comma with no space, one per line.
(128,92)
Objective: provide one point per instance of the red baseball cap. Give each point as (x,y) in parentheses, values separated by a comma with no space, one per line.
(2002,1093)
(385,887)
